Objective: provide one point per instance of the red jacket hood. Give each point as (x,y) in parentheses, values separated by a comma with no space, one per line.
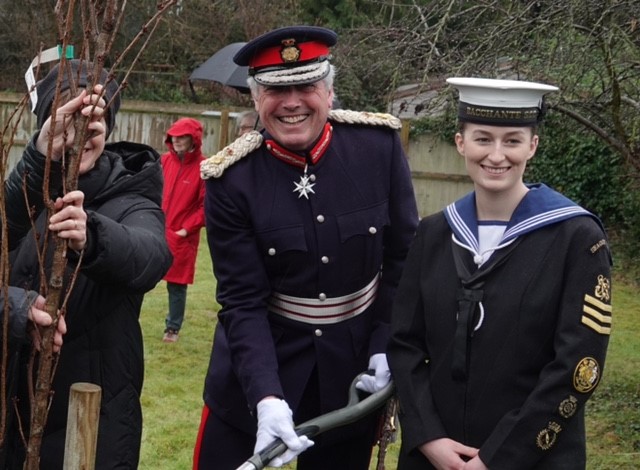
(185,126)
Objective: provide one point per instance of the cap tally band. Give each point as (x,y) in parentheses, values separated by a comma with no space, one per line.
(498,116)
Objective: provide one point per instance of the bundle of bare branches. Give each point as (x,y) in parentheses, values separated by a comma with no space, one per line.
(98,21)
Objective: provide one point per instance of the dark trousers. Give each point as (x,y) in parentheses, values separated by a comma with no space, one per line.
(177,304)
(221,446)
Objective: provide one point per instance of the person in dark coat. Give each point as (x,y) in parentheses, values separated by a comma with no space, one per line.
(503,314)
(26,306)
(183,206)
(25,315)
(308,224)
(115,227)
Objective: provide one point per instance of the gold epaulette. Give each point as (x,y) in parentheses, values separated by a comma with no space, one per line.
(214,166)
(363,117)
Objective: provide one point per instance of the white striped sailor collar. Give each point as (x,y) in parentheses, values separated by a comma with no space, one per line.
(299,159)
(540,207)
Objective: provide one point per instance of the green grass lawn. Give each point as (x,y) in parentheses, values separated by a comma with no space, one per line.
(174,377)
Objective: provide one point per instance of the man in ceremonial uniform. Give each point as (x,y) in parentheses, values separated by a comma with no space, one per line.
(308,224)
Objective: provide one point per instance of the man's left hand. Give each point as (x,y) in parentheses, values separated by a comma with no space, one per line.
(382,375)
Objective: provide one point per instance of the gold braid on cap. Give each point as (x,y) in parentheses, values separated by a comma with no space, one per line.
(213,167)
(301,74)
(346,116)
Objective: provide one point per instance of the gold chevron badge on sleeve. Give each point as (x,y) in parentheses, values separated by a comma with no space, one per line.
(596,314)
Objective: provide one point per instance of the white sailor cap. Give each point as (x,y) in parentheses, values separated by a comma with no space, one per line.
(500,102)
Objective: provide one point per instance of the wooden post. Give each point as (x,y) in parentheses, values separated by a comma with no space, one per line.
(404,135)
(82,426)
(224,129)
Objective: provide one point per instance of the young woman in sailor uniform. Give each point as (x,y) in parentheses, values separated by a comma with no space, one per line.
(503,313)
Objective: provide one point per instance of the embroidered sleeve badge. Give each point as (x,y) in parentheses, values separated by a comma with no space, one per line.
(596,310)
(586,375)
(548,436)
(568,407)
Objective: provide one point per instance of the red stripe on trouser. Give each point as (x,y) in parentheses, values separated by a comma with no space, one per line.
(196,450)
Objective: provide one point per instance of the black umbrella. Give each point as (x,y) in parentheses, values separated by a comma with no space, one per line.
(221,68)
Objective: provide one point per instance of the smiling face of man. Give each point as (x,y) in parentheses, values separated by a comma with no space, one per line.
(294,115)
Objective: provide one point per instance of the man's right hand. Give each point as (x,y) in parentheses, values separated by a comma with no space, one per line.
(275,421)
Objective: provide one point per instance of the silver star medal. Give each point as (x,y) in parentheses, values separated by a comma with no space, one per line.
(305,186)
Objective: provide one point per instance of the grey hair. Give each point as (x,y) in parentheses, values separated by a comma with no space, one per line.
(251,114)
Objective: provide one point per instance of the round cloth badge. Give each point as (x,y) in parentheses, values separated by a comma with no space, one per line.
(587,375)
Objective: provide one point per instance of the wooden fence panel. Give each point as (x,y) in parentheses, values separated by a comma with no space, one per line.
(137,121)
(438,171)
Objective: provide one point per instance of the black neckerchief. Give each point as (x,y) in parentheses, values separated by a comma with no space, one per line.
(469,295)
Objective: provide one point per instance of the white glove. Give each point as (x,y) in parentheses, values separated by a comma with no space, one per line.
(275,420)
(375,383)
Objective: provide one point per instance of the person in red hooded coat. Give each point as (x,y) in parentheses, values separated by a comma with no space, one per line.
(182,203)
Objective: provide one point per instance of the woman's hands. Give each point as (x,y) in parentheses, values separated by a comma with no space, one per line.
(70,220)
(447,454)
(38,316)
(64,132)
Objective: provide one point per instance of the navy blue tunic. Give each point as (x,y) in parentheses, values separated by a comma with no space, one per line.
(266,238)
(535,351)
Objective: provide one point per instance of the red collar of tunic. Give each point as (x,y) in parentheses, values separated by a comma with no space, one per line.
(296,159)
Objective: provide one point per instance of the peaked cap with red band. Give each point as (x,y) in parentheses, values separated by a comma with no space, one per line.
(294,55)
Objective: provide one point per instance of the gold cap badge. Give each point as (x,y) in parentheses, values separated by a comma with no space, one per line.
(290,51)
